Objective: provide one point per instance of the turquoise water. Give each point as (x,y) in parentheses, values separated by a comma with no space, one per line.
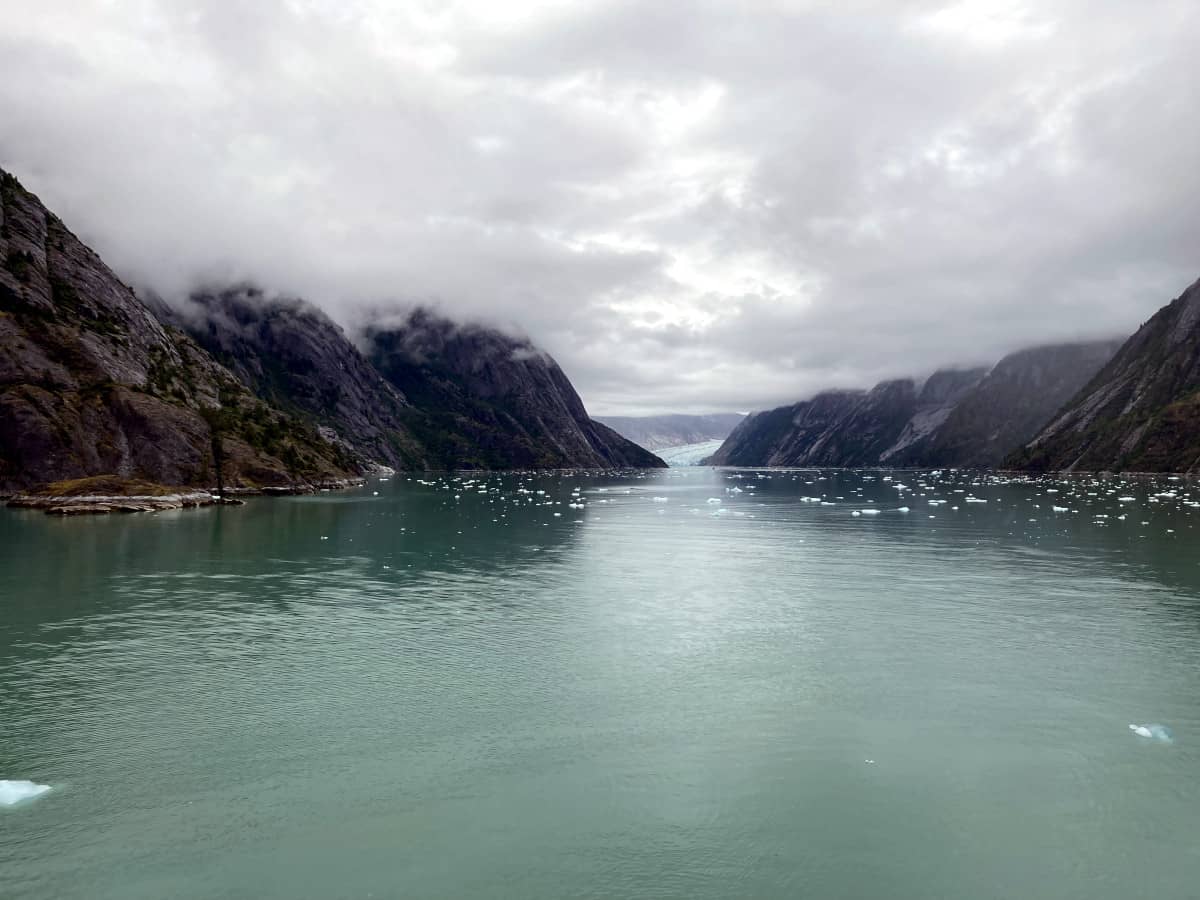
(436,691)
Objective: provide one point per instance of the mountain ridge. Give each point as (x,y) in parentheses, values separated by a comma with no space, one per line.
(967,418)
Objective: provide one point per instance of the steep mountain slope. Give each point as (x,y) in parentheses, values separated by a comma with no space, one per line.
(963,418)
(940,394)
(661,432)
(91,383)
(444,396)
(835,428)
(298,359)
(479,398)
(1017,397)
(1141,412)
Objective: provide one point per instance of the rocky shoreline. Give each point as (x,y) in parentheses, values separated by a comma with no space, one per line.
(101,504)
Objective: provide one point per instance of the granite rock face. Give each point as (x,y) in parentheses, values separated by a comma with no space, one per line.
(91,382)
(1141,412)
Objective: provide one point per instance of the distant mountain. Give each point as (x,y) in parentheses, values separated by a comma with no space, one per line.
(92,383)
(433,395)
(961,418)
(662,432)
(1141,412)
(834,428)
(480,398)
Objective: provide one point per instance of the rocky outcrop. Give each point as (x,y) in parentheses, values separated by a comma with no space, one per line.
(962,418)
(479,398)
(1141,411)
(91,382)
(663,432)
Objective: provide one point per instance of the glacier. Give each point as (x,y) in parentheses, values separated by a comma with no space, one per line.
(688,454)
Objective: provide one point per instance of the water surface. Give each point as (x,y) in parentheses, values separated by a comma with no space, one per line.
(686,683)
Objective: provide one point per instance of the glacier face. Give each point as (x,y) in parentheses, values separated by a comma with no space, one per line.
(688,454)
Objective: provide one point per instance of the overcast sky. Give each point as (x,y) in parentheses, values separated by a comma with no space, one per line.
(695,206)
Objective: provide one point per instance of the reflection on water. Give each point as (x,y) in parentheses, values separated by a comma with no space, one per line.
(664,684)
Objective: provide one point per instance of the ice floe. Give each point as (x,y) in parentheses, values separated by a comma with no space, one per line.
(14,792)
(1154,732)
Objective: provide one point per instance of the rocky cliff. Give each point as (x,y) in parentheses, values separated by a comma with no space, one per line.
(91,382)
(662,432)
(963,418)
(479,398)
(1141,412)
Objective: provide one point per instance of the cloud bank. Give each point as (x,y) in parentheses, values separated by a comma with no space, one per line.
(694,205)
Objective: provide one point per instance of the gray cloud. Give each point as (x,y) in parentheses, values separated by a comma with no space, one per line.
(693,205)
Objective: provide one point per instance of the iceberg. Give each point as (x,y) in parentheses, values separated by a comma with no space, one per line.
(14,792)
(1155,732)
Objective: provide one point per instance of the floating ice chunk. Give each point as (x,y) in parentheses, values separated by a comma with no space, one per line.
(870,512)
(713,500)
(902,509)
(14,792)
(661,499)
(1059,508)
(1154,732)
